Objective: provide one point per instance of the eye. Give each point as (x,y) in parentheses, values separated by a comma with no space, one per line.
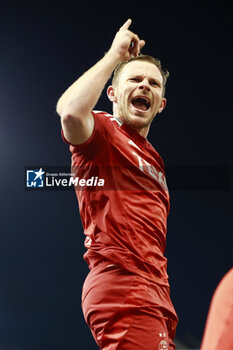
(136,80)
(154,83)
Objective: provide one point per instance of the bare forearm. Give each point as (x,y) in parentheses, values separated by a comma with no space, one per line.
(81,97)
(77,102)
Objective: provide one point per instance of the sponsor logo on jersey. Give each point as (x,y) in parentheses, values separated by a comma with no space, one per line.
(151,171)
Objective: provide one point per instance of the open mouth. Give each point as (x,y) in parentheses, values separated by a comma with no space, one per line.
(141,103)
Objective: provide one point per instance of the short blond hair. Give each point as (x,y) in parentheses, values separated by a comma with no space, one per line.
(146,58)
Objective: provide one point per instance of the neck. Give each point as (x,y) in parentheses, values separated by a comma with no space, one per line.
(143,131)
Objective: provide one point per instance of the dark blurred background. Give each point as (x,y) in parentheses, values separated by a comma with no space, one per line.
(44,47)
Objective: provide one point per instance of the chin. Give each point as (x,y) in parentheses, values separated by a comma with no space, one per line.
(136,118)
(140,120)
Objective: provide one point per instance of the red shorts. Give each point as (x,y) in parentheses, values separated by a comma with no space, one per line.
(126,312)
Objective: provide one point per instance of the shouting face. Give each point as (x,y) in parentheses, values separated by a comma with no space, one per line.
(138,95)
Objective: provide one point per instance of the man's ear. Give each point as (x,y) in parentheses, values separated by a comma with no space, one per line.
(111,93)
(162,105)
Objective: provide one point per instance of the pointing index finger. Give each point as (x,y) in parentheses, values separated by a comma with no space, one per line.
(127,24)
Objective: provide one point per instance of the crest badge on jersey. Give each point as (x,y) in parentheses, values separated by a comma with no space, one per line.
(163,345)
(88,242)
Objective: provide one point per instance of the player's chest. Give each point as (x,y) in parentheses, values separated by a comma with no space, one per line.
(125,152)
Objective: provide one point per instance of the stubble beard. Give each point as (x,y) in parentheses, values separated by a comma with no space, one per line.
(125,116)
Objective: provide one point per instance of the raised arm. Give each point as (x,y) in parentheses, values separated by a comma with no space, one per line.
(77,102)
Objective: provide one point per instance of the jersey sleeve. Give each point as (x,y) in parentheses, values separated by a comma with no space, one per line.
(100,132)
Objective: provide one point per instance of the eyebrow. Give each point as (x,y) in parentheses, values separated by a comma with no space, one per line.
(141,76)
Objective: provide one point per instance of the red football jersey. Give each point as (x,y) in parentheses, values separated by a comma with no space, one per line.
(125,217)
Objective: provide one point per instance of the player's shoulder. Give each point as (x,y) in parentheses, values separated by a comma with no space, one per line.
(102,114)
(106,118)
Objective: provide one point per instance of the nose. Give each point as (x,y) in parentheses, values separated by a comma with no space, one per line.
(144,85)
